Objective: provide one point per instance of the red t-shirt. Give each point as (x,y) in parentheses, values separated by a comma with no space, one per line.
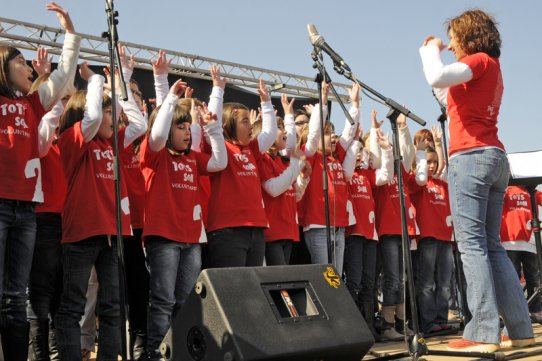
(313,199)
(20,167)
(134,180)
(282,210)
(89,209)
(388,211)
(236,192)
(433,209)
(204,191)
(53,181)
(516,215)
(172,208)
(473,107)
(361,195)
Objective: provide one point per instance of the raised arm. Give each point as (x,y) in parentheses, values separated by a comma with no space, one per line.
(52,90)
(219,156)
(384,173)
(289,124)
(268,134)
(313,138)
(47,128)
(92,117)
(406,145)
(162,124)
(436,73)
(160,69)
(350,130)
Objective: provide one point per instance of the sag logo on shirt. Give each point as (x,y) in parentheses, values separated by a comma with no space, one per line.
(19,109)
(181,167)
(243,158)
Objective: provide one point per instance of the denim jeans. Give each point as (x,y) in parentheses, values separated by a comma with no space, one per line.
(392,270)
(435,266)
(360,267)
(236,247)
(317,244)
(88,321)
(527,261)
(77,261)
(174,268)
(477,183)
(17,238)
(277,253)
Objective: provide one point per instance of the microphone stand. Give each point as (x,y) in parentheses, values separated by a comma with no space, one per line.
(465,314)
(320,76)
(114,57)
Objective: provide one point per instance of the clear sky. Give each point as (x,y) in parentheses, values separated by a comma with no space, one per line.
(378,39)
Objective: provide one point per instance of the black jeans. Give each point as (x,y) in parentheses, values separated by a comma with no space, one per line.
(77,261)
(137,283)
(236,247)
(360,267)
(45,285)
(528,262)
(277,253)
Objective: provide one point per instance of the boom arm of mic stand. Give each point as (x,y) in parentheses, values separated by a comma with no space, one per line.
(388,101)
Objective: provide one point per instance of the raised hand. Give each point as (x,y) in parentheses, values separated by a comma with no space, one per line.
(217,79)
(309,108)
(359,133)
(178,88)
(382,140)
(85,71)
(437,134)
(195,112)
(401,121)
(374,122)
(325,92)
(306,170)
(208,118)
(42,65)
(287,106)
(161,65)
(188,92)
(354,95)
(432,40)
(264,93)
(125,61)
(63,16)
(107,73)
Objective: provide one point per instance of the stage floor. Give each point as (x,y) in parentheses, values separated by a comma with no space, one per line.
(438,343)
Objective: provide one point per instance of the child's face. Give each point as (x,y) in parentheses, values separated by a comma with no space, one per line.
(106,127)
(20,74)
(280,142)
(432,163)
(180,136)
(300,122)
(330,142)
(243,128)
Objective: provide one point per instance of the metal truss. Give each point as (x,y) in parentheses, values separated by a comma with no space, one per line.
(30,36)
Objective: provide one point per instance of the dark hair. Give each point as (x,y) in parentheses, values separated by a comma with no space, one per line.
(180,115)
(229,116)
(7,53)
(75,109)
(476,32)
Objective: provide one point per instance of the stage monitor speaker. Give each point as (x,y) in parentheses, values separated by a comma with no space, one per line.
(268,313)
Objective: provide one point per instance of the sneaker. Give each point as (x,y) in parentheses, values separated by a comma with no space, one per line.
(390,334)
(507,342)
(472,346)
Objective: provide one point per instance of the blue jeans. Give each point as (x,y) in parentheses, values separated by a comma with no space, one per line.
(435,266)
(174,268)
(77,261)
(477,183)
(317,245)
(392,270)
(360,268)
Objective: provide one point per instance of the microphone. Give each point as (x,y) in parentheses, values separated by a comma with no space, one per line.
(318,41)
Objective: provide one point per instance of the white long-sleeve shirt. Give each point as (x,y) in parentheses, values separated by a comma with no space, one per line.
(92,117)
(161,88)
(268,134)
(47,128)
(280,184)
(53,89)
(313,138)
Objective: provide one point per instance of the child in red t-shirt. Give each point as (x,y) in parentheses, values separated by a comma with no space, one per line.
(284,179)
(21,146)
(361,238)
(237,217)
(89,219)
(434,254)
(173,227)
(339,164)
(517,238)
